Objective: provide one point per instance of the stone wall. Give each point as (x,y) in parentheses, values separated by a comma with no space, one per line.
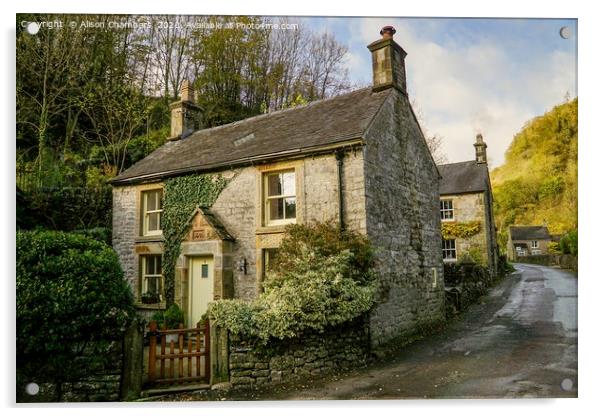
(464,284)
(125,230)
(101,381)
(235,208)
(311,354)
(567,261)
(403,223)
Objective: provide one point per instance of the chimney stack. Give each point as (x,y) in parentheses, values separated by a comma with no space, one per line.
(480,149)
(388,62)
(185,113)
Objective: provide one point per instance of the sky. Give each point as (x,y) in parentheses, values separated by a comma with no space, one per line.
(469,76)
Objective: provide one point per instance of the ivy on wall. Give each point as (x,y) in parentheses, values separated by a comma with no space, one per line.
(450,230)
(181,196)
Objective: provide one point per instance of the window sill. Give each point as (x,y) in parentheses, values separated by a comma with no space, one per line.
(150,306)
(271,229)
(450,260)
(150,238)
(448,220)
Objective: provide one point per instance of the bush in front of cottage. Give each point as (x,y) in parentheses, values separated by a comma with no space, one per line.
(72,301)
(322,277)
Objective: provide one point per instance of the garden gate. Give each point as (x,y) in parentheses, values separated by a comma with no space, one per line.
(186,345)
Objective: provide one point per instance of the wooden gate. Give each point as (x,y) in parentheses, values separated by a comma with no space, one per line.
(191,345)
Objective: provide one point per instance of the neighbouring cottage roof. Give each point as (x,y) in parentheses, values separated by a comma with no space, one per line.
(531,232)
(289,132)
(463,177)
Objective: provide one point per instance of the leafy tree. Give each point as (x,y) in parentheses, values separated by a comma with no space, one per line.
(538,182)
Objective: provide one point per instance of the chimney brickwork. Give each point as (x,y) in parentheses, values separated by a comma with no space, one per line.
(480,149)
(185,113)
(388,62)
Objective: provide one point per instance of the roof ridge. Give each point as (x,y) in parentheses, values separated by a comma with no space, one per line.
(457,163)
(282,110)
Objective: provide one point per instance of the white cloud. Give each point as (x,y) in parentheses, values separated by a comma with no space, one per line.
(464,89)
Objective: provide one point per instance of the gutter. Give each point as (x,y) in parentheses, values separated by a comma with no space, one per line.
(247,161)
(339,154)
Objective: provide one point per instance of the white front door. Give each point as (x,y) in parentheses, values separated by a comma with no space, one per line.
(201,287)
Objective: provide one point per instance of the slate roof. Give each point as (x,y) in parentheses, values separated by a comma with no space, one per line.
(216,224)
(531,232)
(463,177)
(282,133)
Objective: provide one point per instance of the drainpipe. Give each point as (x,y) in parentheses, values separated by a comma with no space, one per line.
(339,156)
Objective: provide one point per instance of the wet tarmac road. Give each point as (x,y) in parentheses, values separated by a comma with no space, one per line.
(519,341)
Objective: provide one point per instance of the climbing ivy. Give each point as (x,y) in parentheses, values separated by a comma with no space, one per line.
(181,196)
(466,229)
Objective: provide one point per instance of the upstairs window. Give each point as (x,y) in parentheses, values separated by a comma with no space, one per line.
(534,244)
(449,250)
(151,212)
(446,207)
(280,198)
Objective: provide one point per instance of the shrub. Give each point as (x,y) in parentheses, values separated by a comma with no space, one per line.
(70,295)
(568,243)
(171,318)
(97,233)
(554,248)
(322,277)
(325,240)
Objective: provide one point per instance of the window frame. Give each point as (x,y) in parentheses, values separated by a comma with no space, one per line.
(267,198)
(534,244)
(265,259)
(144,275)
(443,210)
(453,250)
(144,215)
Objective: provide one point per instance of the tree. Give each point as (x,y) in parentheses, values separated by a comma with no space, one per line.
(324,72)
(83,95)
(48,66)
(433,141)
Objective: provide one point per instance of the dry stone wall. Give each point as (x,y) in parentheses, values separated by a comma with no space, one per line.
(310,354)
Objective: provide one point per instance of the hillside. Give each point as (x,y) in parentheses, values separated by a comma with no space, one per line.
(538,181)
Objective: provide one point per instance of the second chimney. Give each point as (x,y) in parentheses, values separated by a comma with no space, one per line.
(480,149)
(388,62)
(185,113)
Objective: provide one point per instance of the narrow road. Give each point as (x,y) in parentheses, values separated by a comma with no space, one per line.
(519,341)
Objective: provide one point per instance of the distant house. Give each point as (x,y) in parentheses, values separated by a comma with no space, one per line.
(466,209)
(358,159)
(527,241)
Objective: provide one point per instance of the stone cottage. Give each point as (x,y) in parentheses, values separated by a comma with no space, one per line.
(528,240)
(358,159)
(466,210)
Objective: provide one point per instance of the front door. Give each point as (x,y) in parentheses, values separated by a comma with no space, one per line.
(201,287)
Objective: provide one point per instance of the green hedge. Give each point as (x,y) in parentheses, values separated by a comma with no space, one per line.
(71,296)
